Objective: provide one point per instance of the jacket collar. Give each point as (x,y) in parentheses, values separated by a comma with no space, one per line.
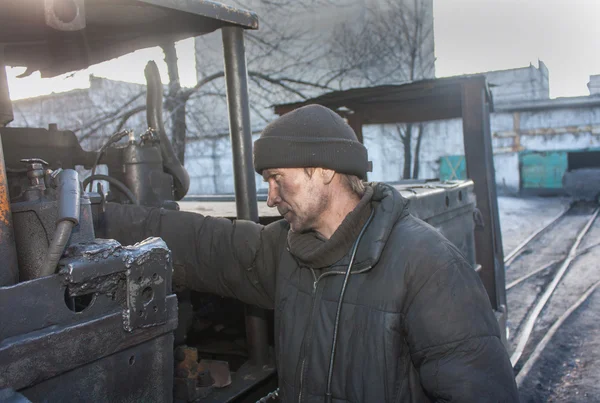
(316,252)
(389,207)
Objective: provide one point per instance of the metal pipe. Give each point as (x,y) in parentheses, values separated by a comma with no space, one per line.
(154,105)
(9,268)
(116,183)
(69,205)
(236,78)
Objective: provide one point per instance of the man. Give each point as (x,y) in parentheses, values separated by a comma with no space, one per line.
(348,270)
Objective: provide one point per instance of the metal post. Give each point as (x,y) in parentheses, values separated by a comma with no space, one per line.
(480,168)
(9,269)
(243,170)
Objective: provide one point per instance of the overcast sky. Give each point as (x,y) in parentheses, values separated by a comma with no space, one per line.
(481,35)
(471,36)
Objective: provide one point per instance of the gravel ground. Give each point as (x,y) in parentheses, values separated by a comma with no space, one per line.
(520,217)
(569,368)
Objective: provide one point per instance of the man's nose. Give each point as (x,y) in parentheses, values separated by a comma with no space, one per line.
(273,198)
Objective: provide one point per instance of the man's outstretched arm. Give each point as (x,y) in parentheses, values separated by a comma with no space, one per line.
(234,259)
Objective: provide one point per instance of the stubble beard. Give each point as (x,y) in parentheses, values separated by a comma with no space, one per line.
(308,221)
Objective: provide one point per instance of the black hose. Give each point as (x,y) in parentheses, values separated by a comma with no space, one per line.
(112,139)
(171,164)
(57,246)
(117,183)
(328,396)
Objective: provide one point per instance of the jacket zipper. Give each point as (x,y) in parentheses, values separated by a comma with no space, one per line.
(312,311)
(310,323)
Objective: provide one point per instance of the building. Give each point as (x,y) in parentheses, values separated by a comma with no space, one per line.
(532,135)
(92,113)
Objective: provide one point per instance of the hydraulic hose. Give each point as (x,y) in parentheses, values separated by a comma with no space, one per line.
(61,236)
(69,195)
(116,183)
(171,164)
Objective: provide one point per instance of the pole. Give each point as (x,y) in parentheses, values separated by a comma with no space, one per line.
(236,78)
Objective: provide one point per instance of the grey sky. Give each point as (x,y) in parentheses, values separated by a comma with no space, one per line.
(480,35)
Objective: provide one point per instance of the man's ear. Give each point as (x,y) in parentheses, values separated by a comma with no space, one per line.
(327,175)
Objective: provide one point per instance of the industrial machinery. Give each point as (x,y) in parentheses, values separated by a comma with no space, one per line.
(89,319)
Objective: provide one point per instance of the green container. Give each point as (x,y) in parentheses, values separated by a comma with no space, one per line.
(453,167)
(542,170)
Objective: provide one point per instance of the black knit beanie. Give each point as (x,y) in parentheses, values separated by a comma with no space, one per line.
(311,136)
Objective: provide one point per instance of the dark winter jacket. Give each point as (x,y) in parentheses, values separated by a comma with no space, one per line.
(416,323)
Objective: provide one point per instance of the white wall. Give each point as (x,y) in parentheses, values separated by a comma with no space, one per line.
(518,85)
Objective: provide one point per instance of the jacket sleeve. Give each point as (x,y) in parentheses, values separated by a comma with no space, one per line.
(233,259)
(454,337)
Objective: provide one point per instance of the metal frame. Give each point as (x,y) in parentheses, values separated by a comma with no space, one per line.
(243,170)
(466,97)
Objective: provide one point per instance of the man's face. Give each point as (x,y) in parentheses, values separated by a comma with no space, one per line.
(299,198)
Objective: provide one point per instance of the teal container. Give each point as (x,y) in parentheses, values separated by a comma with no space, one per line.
(453,167)
(542,169)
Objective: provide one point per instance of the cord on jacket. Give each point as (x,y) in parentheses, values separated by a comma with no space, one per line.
(328,396)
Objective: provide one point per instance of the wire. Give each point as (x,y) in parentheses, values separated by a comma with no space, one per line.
(328,396)
(117,183)
(112,139)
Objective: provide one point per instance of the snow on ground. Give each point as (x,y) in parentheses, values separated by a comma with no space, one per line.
(520,217)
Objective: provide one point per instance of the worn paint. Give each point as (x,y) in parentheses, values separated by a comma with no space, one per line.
(5,216)
(453,167)
(550,131)
(543,170)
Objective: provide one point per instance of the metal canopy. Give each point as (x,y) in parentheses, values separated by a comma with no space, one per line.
(58,36)
(418,101)
(466,97)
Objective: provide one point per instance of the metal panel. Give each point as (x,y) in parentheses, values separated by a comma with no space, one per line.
(63,336)
(448,207)
(542,169)
(37,35)
(142,373)
(37,356)
(9,270)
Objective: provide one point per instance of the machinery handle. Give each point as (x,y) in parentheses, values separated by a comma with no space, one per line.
(171,163)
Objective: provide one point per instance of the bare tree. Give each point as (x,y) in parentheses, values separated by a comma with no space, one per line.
(289,59)
(392,44)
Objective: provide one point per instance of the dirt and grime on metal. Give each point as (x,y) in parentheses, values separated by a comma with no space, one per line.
(561,358)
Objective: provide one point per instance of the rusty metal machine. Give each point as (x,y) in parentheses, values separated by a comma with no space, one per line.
(89,319)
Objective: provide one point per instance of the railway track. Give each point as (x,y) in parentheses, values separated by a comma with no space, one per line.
(549,277)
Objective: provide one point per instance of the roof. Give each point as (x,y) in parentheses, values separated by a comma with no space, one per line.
(58,36)
(417,101)
(546,104)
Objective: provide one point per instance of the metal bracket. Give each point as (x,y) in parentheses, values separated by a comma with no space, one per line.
(146,299)
(102,265)
(147,288)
